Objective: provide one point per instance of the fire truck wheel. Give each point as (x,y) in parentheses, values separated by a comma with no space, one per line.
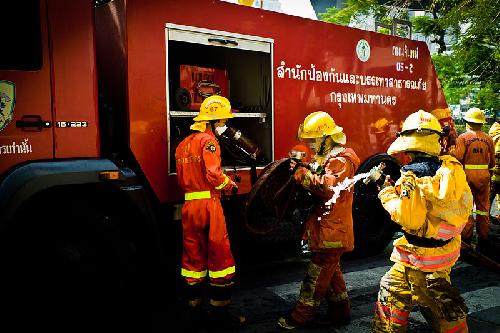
(76,257)
(373,228)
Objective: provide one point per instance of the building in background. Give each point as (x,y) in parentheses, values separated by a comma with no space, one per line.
(302,8)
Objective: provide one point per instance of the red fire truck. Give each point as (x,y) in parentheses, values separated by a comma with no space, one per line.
(96,97)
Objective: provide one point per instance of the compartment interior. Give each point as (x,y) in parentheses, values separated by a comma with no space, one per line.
(249,90)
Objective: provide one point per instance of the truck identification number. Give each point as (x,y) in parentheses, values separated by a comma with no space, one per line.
(72,124)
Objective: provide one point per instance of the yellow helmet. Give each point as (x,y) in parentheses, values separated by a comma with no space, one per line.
(317,125)
(421,132)
(213,108)
(441,113)
(475,115)
(421,121)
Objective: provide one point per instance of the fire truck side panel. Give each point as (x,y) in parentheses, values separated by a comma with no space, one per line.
(361,78)
(32,98)
(74,81)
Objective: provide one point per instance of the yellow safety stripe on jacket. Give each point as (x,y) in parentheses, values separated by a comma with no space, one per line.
(425,263)
(193,274)
(447,231)
(222,273)
(482,212)
(197,195)
(224,183)
(476,166)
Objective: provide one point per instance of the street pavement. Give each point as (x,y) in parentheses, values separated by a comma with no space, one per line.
(265,292)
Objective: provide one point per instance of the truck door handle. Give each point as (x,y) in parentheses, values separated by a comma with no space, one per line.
(223,41)
(33,123)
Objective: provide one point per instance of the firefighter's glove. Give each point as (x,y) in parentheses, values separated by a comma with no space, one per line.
(316,168)
(231,188)
(387,182)
(447,299)
(375,173)
(294,165)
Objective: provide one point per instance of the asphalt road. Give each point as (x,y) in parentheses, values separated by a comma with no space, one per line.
(265,292)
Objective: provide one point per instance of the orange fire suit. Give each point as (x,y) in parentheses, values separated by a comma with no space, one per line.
(206,247)
(432,209)
(475,150)
(329,233)
(494,132)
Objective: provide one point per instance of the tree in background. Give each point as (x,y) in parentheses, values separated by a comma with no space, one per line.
(470,63)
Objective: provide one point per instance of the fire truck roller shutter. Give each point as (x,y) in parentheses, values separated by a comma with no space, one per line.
(373,228)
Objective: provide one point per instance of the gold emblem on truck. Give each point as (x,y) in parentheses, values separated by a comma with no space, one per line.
(7,101)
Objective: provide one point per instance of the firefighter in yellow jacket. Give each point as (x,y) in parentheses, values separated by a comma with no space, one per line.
(431,202)
(329,228)
(494,132)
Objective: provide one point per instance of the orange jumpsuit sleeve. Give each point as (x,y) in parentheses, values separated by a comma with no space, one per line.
(459,151)
(211,158)
(336,170)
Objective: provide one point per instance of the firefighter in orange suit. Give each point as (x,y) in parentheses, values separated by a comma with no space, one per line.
(431,202)
(494,132)
(329,229)
(476,151)
(206,247)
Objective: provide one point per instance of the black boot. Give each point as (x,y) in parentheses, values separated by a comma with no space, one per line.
(196,317)
(339,313)
(221,318)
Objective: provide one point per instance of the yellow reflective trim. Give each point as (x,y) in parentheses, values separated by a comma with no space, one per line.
(332,245)
(197,195)
(482,212)
(223,273)
(338,297)
(219,303)
(195,302)
(476,166)
(222,285)
(193,274)
(224,183)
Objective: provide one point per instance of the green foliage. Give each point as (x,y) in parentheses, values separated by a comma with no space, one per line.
(470,64)
(353,9)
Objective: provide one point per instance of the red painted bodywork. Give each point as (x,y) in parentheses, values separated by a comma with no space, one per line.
(297,42)
(132,33)
(63,89)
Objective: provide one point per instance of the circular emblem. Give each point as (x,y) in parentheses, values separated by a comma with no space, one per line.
(363,50)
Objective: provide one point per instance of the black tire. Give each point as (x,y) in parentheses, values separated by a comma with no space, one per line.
(373,228)
(77,260)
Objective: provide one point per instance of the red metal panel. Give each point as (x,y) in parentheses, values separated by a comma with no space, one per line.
(300,44)
(32,97)
(74,78)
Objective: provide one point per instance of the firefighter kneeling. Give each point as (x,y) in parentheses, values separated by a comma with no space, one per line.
(431,201)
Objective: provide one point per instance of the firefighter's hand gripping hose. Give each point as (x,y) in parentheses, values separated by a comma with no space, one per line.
(375,173)
(447,299)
